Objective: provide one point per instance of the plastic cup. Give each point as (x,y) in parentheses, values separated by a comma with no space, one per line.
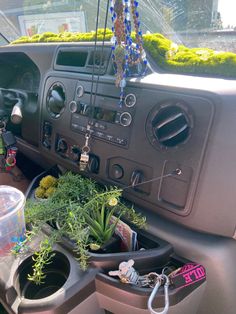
(12,220)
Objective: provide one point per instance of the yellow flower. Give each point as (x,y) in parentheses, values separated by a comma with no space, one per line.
(94,246)
(113,201)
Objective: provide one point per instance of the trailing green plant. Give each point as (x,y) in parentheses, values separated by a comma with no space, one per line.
(42,258)
(167,55)
(84,211)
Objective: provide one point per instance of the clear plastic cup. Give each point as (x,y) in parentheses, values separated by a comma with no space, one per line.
(12,220)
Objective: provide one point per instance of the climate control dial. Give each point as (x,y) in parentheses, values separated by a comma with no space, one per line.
(62,146)
(125,119)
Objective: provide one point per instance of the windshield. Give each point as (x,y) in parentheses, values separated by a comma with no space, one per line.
(195,23)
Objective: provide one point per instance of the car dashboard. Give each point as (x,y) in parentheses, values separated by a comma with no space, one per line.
(170,146)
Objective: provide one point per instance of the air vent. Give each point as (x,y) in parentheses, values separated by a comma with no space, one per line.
(56,100)
(169,125)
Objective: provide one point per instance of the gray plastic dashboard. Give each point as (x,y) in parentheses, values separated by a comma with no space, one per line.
(202,110)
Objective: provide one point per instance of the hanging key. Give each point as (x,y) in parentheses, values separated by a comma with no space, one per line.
(84,157)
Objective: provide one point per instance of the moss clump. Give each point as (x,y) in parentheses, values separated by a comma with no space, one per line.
(40,192)
(47,182)
(47,187)
(167,55)
(50,191)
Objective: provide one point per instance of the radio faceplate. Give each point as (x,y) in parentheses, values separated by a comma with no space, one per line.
(112,133)
(108,122)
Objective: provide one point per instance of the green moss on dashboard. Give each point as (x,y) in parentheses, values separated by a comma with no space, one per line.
(167,55)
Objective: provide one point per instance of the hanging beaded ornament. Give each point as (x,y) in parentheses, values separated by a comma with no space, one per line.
(124,53)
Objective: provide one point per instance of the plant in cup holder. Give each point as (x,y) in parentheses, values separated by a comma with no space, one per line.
(86,213)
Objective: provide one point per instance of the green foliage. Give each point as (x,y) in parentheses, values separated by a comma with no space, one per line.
(74,188)
(83,211)
(167,55)
(41,258)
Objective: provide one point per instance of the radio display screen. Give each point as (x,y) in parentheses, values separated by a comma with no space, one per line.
(98,113)
(104,114)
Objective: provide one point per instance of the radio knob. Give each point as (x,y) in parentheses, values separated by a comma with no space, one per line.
(73,106)
(62,146)
(130,100)
(79,91)
(125,119)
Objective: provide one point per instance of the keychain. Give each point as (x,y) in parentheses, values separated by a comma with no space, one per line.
(7,149)
(10,161)
(182,277)
(2,145)
(84,157)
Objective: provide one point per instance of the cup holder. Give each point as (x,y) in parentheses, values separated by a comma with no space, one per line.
(56,273)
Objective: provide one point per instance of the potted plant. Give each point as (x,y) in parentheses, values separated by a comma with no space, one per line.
(87,214)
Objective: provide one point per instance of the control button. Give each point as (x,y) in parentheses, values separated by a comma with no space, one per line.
(73,106)
(47,129)
(137,177)
(75,152)
(93,165)
(99,134)
(91,122)
(47,143)
(130,100)
(117,172)
(100,126)
(125,119)
(79,91)
(121,141)
(117,119)
(75,126)
(110,138)
(75,149)
(61,146)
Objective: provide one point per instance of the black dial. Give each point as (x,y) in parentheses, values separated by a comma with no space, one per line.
(130,100)
(62,146)
(125,119)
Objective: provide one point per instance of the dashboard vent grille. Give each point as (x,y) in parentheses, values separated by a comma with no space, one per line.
(55,100)
(171,125)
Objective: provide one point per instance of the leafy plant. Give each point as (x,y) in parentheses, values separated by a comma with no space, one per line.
(87,214)
(41,258)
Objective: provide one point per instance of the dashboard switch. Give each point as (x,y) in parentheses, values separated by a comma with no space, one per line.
(137,177)
(61,146)
(93,164)
(117,172)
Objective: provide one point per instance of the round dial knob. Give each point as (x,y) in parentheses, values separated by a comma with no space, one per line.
(62,146)
(73,106)
(79,91)
(130,100)
(125,119)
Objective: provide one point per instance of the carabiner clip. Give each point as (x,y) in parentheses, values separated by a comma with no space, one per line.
(154,292)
